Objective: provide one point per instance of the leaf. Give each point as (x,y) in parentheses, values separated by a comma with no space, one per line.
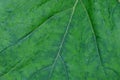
(59,40)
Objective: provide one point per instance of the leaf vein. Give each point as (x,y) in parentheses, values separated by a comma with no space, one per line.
(63,39)
(94,35)
(32,31)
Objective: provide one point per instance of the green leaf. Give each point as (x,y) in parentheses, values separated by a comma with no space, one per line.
(59,40)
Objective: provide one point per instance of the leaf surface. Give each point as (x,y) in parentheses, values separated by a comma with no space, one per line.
(59,40)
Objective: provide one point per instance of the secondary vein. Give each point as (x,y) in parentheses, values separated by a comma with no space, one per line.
(94,35)
(63,39)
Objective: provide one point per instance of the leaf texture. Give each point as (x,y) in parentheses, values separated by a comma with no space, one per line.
(59,40)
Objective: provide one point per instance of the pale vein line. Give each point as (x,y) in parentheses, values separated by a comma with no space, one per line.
(32,31)
(63,39)
(94,36)
(65,67)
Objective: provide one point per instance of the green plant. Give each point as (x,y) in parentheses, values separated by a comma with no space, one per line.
(59,40)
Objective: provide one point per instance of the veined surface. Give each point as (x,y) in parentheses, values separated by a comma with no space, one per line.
(59,40)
